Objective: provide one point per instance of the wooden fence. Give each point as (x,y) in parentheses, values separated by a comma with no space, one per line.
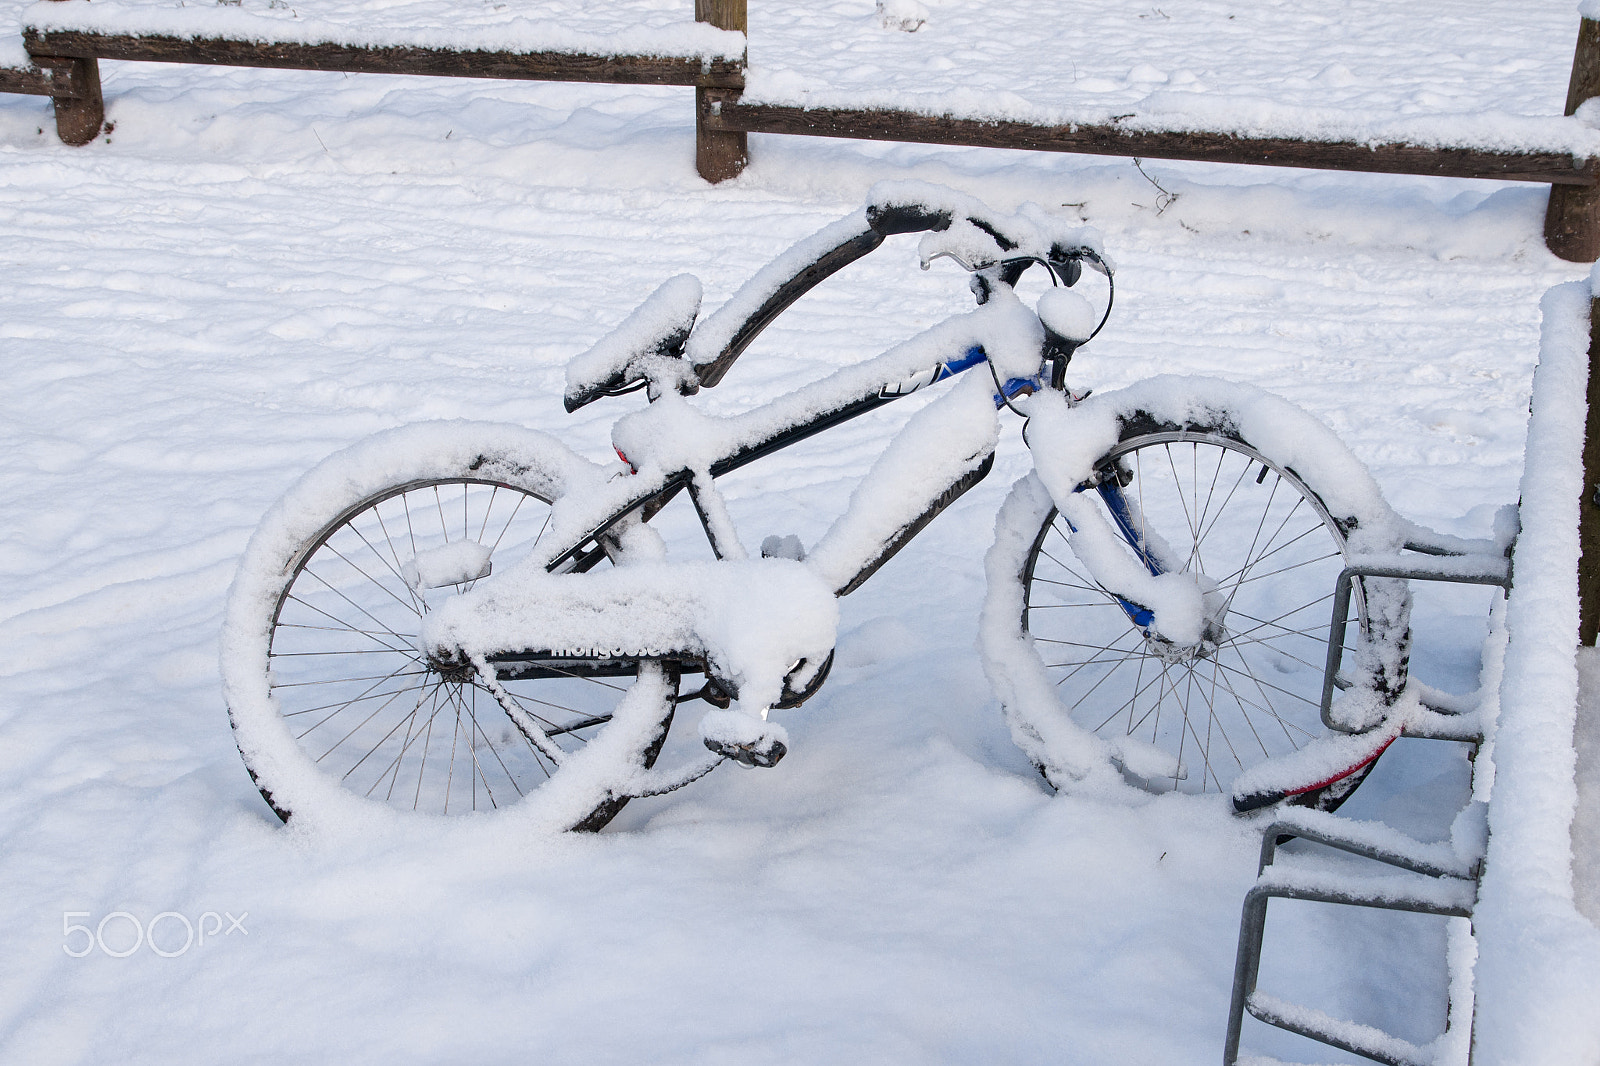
(67,69)
(1572,221)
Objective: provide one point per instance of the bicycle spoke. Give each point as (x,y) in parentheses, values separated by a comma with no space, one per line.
(276,685)
(1067,585)
(471,725)
(344,629)
(1213,725)
(1221,508)
(353,651)
(444,528)
(427,741)
(386,736)
(1287,569)
(495,751)
(375,711)
(1206,769)
(394,764)
(383,527)
(1119,656)
(1285,546)
(1247,672)
(318,577)
(1080,644)
(582,677)
(405,747)
(1183,733)
(379,555)
(367,695)
(1130,704)
(1318,634)
(1266,642)
(455,731)
(346,625)
(1161,698)
(514,511)
(1103,679)
(1177,479)
(387,591)
(1218,676)
(378,681)
(523,699)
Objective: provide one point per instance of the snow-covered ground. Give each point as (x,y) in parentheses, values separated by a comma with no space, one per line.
(255,268)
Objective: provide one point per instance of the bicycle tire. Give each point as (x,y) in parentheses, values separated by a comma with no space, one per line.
(335,710)
(1257,692)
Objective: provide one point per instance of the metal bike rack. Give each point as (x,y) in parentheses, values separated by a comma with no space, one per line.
(1427,886)
(1422,878)
(1438,563)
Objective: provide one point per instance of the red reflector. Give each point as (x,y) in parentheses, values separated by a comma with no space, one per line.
(1342,774)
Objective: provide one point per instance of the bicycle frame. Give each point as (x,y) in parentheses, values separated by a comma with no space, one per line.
(943,352)
(656,475)
(659,488)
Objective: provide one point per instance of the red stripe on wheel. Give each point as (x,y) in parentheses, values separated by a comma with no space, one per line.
(1342,774)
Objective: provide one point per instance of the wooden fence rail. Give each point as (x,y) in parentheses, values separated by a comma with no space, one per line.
(729,112)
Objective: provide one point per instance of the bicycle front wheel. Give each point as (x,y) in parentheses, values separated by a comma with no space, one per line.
(1270,553)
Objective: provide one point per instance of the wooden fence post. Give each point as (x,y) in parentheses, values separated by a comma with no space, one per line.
(718,154)
(1589,503)
(75,92)
(1572,221)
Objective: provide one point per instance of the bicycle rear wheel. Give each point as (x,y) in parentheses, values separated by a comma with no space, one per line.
(335,705)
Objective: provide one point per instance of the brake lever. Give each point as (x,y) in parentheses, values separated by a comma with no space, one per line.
(1080,255)
(927,261)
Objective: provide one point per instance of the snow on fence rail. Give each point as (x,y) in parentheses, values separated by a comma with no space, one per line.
(1538,970)
(67,38)
(619,43)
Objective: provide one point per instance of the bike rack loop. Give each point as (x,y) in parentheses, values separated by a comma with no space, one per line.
(1470,569)
(1460,892)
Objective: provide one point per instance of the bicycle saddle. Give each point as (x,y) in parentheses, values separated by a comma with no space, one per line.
(646,349)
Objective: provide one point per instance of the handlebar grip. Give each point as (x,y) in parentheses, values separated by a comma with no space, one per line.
(887,220)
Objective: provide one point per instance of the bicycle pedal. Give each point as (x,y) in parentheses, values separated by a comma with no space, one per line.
(760,754)
(787,547)
(712,693)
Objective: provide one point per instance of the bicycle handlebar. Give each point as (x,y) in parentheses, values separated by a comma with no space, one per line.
(1010,244)
(1063,253)
(888,220)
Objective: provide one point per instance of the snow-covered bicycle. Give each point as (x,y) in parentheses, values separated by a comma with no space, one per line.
(458,616)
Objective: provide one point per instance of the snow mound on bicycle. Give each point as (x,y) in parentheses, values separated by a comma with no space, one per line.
(750,621)
(1067,441)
